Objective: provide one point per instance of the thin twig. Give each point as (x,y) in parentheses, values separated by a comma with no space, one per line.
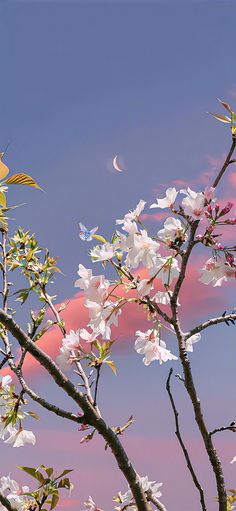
(183,447)
(210,322)
(230,427)
(226,163)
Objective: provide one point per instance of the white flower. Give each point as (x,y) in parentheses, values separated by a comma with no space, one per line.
(152,347)
(95,287)
(168,200)
(20,437)
(161,297)
(90,505)
(151,486)
(217,272)
(14,492)
(64,360)
(5,381)
(104,252)
(191,340)
(233,460)
(173,231)
(166,268)
(194,203)
(102,316)
(144,287)
(133,215)
(144,250)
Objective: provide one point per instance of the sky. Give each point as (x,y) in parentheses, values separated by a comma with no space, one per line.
(82,81)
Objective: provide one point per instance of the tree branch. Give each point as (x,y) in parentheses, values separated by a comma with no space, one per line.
(155,501)
(230,427)
(91,415)
(210,322)
(181,442)
(226,163)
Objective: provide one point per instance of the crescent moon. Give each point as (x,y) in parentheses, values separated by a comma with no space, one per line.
(115,164)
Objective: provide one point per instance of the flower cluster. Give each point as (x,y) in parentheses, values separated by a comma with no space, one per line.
(13,492)
(10,415)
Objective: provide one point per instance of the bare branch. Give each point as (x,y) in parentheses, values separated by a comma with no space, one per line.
(210,322)
(226,163)
(230,427)
(183,447)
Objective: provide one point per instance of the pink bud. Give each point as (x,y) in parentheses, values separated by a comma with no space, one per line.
(207,214)
(209,209)
(217,207)
(219,246)
(227,208)
(229,258)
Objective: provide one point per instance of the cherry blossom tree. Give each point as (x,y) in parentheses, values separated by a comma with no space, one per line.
(195,218)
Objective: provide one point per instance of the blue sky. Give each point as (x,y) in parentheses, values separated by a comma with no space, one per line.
(80,82)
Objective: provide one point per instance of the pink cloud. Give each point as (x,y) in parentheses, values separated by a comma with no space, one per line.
(232,179)
(156,217)
(195,298)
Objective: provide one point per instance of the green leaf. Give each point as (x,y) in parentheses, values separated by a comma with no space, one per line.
(33,472)
(22,179)
(55,499)
(64,473)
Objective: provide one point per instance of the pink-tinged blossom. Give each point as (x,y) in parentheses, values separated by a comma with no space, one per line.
(94,287)
(20,437)
(166,268)
(173,231)
(209,193)
(5,381)
(127,498)
(132,215)
(233,460)
(193,204)
(167,201)
(144,250)
(14,493)
(65,359)
(217,271)
(161,297)
(90,505)
(144,287)
(102,316)
(104,252)
(152,347)
(191,340)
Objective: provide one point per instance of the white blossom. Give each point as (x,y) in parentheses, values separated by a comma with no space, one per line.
(104,252)
(151,486)
(94,287)
(173,231)
(20,437)
(168,200)
(144,250)
(166,268)
(152,347)
(133,215)
(194,203)
(217,272)
(191,340)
